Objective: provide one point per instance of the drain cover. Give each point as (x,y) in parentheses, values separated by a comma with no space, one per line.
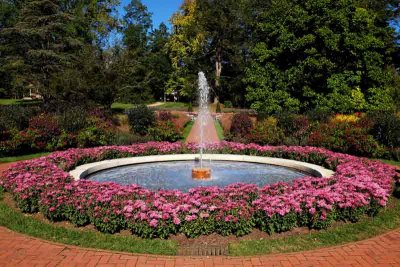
(203,250)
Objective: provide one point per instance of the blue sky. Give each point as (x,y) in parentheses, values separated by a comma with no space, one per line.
(161,9)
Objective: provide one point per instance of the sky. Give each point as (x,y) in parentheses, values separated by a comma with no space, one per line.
(161,9)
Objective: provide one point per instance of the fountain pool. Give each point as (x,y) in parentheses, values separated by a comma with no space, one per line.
(174,171)
(178,174)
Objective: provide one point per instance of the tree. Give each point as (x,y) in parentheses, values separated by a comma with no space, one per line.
(223,24)
(43,39)
(158,61)
(184,47)
(40,44)
(319,53)
(137,23)
(134,76)
(214,37)
(90,82)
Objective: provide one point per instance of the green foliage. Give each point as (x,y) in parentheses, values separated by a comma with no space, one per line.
(345,137)
(164,131)
(96,86)
(41,44)
(187,128)
(54,131)
(296,128)
(38,43)
(330,54)
(124,139)
(73,120)
(386,128)
(228,104)
(141,118)
(266,132)
(15,117)
(143,64)
(190,107)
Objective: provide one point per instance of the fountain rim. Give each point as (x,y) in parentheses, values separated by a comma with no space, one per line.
(82,171)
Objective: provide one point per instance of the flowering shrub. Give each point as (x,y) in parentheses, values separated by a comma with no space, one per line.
(338,118)
(359,186)
(50,132)
(165,131)
(241,125)
(345,137)
(266,132)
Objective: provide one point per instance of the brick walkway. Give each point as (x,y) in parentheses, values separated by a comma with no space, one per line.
(20,250)
(210,133)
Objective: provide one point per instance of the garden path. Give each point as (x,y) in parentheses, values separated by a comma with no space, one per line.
(210,133)
(19,250)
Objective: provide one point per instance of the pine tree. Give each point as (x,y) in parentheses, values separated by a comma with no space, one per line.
(41,44)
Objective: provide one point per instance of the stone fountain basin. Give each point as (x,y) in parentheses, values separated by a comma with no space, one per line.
(85,170)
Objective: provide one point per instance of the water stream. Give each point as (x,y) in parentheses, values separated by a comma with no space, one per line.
(204,91)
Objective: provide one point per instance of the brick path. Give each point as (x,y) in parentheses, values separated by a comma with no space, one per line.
(20,250)
(210,133)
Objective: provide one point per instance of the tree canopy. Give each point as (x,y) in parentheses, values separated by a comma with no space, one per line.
(273,56)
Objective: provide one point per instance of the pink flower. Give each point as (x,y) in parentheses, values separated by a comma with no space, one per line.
(204,215)
(153,223)
(176,221)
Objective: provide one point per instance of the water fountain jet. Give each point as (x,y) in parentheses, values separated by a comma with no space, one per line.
(204,90)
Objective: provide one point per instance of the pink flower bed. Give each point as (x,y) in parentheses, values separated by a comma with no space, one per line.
(359,187)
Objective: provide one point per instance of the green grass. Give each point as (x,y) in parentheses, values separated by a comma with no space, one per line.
(18,222)
(187,129)
(173,106)
(386,220)
(23,157)
(391,162)
(7,102)
(220,131)
(121,106)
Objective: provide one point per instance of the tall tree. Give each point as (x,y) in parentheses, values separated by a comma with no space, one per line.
(41,43)
(184,47)
(214,36)
(46,37)
(134,75)
(158,61)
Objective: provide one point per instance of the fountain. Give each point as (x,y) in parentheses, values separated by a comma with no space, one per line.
(187,171)
(203,114)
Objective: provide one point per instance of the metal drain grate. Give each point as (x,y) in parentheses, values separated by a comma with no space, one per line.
(204,250)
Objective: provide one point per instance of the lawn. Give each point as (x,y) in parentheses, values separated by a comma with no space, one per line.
(187,129)
(179,106)
(23,157)
(391,162)
(120,107)
(220,131)
(7,102)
